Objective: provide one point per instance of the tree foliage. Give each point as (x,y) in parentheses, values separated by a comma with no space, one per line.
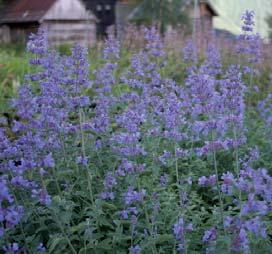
(269,22)
(161,13)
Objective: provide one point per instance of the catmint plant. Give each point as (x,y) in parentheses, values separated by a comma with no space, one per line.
(126,159)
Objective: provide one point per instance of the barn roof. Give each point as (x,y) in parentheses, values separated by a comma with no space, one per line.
(230,13)
(210,7)
(24,10)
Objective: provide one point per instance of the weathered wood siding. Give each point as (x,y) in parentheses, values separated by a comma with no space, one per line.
(202,19)
(66,21)
(70,32)
(68,10)
(4,34)
(69,22)
(17,32)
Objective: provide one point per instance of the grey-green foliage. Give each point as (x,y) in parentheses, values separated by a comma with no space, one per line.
(269,22)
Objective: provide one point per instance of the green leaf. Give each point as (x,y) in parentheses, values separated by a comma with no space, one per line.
(109,206)
(56,242)
(105,244)
(78,228)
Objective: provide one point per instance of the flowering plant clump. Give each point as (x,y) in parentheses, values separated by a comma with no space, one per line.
(132,161)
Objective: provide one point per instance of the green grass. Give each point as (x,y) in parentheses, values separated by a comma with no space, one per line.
(13,67)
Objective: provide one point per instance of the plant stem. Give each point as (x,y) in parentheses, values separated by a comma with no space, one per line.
(250,86)
(176,165)
(20,223)
(64,233)
(217,182)
(237,168)
(89,177)
(56,181)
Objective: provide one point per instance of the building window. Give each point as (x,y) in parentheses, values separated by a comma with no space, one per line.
(25,14)
(107,7)
(98,7)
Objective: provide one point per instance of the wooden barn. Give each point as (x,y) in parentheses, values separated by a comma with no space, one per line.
(111,13)
(67,21)
(105,11)
(203,21)
(203,15)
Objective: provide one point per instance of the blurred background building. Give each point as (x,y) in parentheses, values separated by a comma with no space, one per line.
(67,21)
(84,21)
(104,10)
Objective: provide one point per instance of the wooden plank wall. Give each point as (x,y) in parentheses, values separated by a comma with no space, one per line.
(4,34)
(69,10)
(69,22)
(70,32)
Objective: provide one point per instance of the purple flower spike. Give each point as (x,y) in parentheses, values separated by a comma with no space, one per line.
(179,229)
(132,196)
(209,235)
(248,21)
(48,161)
(12,248)
(135,250)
